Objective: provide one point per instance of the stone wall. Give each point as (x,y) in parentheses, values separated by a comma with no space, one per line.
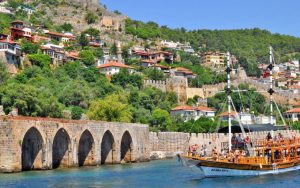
(44,143)
(164,144)
(175,84)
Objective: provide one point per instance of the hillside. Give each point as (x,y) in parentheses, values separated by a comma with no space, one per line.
(249,45)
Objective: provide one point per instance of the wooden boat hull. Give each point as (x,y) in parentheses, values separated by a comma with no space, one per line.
(208,169)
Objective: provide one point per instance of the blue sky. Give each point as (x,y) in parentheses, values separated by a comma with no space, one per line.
(278,16)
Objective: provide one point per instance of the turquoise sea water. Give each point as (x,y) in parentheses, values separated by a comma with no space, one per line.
(169,174)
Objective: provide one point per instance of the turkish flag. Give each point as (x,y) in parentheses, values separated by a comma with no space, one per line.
(266,74)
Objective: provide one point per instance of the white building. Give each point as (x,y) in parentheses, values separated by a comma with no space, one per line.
(246,118)
(188,113)
(293,114)
(114,67)
(56,52)
(10,54)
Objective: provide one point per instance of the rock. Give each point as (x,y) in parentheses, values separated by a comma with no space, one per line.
(2,113)
(14,112)
(156,155)
(84,117)
(67,114)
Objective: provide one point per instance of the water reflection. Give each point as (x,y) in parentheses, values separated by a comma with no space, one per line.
(154,174)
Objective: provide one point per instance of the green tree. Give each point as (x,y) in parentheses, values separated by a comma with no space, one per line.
(113,49)
(87,57)
(41,60)
(4,75)
(67,27)
(94,33)
(154,74)
(161,120)
(76,112)
(90,17)
(29,48)
(112,108)
(124,78)
(83,40)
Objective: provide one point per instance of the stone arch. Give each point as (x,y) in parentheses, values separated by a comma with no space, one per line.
(108,148)
(32,154)
(126,147)
(61,149)
(86,149)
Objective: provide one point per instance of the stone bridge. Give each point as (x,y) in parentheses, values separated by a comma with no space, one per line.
(44,143)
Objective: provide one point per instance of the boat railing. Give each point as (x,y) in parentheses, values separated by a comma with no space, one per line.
(273,143)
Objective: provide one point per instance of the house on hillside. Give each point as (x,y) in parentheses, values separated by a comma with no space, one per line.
(10,54)
(225,116)
(114,67)
(3,36)
(20,30)
(180,71)
(60,37)
(157,56)
(56,52)
(295,89)
(293,114)
(213,59)
(188,113)
(26,8)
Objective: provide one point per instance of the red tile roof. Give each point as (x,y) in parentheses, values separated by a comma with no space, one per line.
(161,66)
(114,64)
(184,70)
(295,87)
(73,55)
(9,42)
(233,113)
(140,52)
(184,107)
(60,35)
(149,61)
(295,110)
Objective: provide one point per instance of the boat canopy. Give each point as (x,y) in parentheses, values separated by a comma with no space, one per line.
(252,128)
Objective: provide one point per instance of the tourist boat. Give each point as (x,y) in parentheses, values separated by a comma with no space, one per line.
(263,156)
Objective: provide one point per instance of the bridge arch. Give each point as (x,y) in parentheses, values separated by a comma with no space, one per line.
(32,146)
(61,155)
(126,147)
(108,148)
(86,149)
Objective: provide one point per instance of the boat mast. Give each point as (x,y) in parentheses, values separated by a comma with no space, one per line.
(228,92)
(271,91)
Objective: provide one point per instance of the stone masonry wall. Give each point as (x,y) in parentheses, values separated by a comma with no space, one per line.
(13,131)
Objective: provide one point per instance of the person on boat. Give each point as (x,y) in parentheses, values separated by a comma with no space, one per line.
(269,139)
(237,154)
(194,148)
(239,141)
(201,153)
(215,153)
(234,141)
(205,150)
(190,149)
(230,156)
(280,137)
